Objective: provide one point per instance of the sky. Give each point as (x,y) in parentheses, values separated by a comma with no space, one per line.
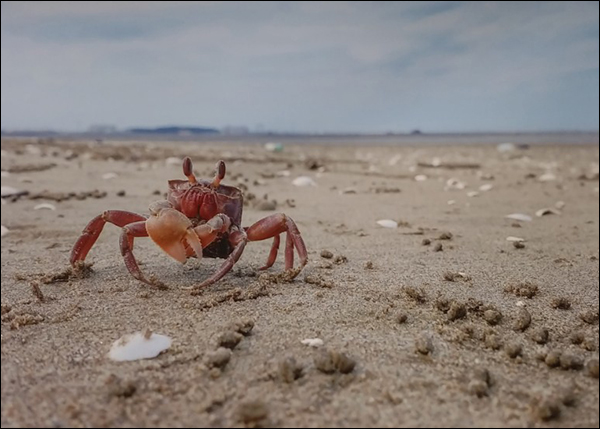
(314,67)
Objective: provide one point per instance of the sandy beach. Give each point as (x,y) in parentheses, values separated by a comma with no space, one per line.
(441,321)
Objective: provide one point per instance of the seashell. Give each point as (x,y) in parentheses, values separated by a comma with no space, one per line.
(109,176)
(45,206)
(547,211)
(140,345)
(304,181)
(313,342)
(387,223)
(520,217)
(547,177)
(472,194)
(420,178)
(486,187)
(515,239)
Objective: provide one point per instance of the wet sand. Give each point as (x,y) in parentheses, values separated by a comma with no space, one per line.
(469,330)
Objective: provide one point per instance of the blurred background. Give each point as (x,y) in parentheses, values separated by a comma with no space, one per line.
(252,68)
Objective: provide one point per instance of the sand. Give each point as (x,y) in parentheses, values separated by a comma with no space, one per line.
(413,334)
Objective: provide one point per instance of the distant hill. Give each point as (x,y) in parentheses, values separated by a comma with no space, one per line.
(174,130)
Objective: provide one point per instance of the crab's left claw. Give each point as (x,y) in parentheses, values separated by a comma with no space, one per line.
(173,232)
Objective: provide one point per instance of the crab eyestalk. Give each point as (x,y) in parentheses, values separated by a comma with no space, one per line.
(188,170)
(220,174)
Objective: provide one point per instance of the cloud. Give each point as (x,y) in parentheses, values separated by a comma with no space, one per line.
(308,66)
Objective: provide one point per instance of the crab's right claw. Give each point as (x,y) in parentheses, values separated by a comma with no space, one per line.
(173,233)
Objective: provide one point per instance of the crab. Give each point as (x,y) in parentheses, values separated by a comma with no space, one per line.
(199,218)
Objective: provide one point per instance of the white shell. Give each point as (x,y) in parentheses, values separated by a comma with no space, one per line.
(560,205)
(304,181)
(173,160)
(546,211)
(7,191)
(313,342)
(520,217)
(515,239)
(547,177)
(109,176)
(451,202)
(4,230)
(139,346)
(486,187)
(387,223)
(472,194)
(44,206)
(420,178)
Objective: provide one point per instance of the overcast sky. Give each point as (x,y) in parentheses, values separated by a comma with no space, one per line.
(304,67)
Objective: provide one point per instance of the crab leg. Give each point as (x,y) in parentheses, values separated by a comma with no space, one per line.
(137,229)
(274,225)
(239,240)
(93,229)
(272,254)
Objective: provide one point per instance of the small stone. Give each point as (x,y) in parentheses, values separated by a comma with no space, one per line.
(540,335)
(492,317)
(369,265)
(561,303)
(546,409)
(253,412)
(121,193)
(553,358)
(590,317)
(518,244)
(492,341)
(340,259)
(343,363)
(438,247)
(401,318)
(229,339)
(457,311)
(570,361)
(120,388)
(326,254)
(324,362)
(514,350)
(423,344)
(219,358)
(445,236)
(523,320)
(577,338)
(426,242)
(592,368)
(289,370)
(243,326)
(478,388)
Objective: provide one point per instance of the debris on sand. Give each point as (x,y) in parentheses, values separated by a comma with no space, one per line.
(289,370)
(420,178)
(120,388)
(401,318)
(526,289)
(546,409)
(423,344)
(547,177)
(592,368)
(140,345)
(9,191)
(243,326)
(30,168)
(518,244)
(81,270)
(326,254)
(523,320)
(45,206)
(547,211)
(445,236)
(253,413)
(387,223)
(553,358)
(229,339)
(417,295)
(438,247)
(512,239)
(37,292)
(486,187)
(457,311)
(519,217)
(426,242)
(218,358)
(540,335)
(570,361)
(514,350)
(312,342)
(492,317)
(450,276)
(304,181)
(590,316)
(561,303)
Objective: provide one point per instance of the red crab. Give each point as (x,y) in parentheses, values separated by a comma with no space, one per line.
(199,218)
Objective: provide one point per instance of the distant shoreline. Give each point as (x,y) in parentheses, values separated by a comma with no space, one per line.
(519,138)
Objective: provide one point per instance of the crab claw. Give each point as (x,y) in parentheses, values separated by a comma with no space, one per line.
(173,232)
